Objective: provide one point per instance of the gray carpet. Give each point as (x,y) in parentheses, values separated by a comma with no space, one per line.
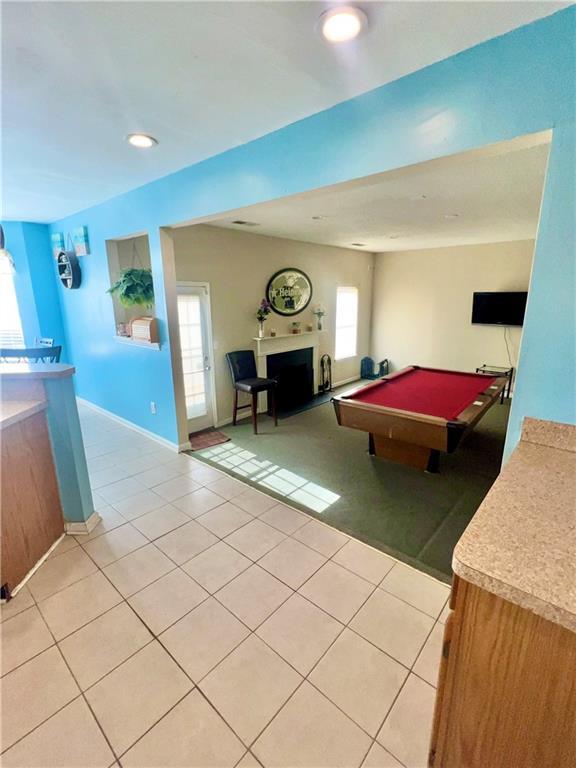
(315,465)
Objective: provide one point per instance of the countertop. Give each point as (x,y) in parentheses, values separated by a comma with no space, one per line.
(521,543)
(35,370)
(13,411)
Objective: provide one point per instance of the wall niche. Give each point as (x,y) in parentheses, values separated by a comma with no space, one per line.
(135,323)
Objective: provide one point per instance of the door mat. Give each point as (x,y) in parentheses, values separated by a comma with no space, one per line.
(206,439)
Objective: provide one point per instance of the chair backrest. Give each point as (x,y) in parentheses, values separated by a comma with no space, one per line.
(242,364)
(30,355)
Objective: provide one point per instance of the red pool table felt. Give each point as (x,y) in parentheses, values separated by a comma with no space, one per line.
(428,391)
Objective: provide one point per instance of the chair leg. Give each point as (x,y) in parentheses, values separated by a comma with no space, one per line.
(255,412)
(272,394)
(235,409)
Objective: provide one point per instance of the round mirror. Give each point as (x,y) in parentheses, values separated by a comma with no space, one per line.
(289,291)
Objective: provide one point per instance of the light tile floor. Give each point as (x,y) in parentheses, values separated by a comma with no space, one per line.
(203,623)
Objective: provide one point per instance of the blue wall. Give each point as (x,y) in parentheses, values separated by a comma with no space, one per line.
(516,84)
(35,282)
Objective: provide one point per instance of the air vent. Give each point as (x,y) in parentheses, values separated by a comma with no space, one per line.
(242,223)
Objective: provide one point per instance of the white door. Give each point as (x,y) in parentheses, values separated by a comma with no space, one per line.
(195,347)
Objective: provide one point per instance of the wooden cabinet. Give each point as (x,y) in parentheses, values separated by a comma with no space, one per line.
(506,694)
(31,519)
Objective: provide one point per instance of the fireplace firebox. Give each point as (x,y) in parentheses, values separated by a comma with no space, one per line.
(294,372)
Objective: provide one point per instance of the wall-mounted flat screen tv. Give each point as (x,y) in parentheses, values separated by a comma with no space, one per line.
(499,308)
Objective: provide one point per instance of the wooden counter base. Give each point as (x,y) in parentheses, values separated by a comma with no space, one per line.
(30,501)
(507,687)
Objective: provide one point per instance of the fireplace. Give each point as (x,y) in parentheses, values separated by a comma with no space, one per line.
(294,372)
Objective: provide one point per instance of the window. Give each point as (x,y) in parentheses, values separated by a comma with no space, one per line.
(10,326)
(346,322)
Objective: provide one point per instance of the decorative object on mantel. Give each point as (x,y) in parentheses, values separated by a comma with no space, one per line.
(295,327)
(319,311)
(69,269)
(134,288)
(144,329)
(262,314)
(289,291)
(272,332)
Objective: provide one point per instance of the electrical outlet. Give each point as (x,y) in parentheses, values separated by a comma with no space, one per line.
(152,407)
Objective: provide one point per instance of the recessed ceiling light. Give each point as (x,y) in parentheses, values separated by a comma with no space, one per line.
(394,237)
(419,197)
(343,23)
(242,223)
(451,215)
(141,140)
(359,245)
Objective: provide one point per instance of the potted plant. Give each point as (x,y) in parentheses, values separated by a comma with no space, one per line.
(134,288)
(261,314)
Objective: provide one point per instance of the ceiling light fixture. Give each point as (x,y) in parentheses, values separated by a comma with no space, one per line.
(141,140)
(343,23)
(359,245)
(451,215)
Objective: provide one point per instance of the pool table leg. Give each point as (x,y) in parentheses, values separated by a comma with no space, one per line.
(433,462)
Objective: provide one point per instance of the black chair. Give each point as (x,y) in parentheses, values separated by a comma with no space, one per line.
(242,366)
(30,355)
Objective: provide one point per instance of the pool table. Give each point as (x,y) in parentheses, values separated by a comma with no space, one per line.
(414,414)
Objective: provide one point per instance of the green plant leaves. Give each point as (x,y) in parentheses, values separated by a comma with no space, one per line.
(134,288)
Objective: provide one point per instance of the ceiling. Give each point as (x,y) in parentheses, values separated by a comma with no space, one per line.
(200,76)
(484,196)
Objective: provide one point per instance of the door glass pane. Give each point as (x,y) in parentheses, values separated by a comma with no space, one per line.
(189,319)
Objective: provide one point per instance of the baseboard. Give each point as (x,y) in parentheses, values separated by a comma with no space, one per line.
(346,381)
(84,527)
(32,571)
(130,424)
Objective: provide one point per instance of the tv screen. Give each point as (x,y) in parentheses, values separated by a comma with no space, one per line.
(502,308)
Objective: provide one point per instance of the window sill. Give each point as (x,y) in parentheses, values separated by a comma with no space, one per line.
(137,342)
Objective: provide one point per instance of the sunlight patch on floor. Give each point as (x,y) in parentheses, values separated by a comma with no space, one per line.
(269,475)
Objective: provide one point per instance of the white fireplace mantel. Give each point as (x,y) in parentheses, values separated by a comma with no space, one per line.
(288,342)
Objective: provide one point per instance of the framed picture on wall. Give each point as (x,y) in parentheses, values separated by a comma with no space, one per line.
(289,291)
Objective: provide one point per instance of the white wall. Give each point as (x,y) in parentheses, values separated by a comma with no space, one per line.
(423,304)
(237,265)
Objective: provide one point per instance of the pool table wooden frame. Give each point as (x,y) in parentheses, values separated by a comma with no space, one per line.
(408,437)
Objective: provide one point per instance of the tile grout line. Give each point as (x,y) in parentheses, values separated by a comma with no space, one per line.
(80,695)
(250,630)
